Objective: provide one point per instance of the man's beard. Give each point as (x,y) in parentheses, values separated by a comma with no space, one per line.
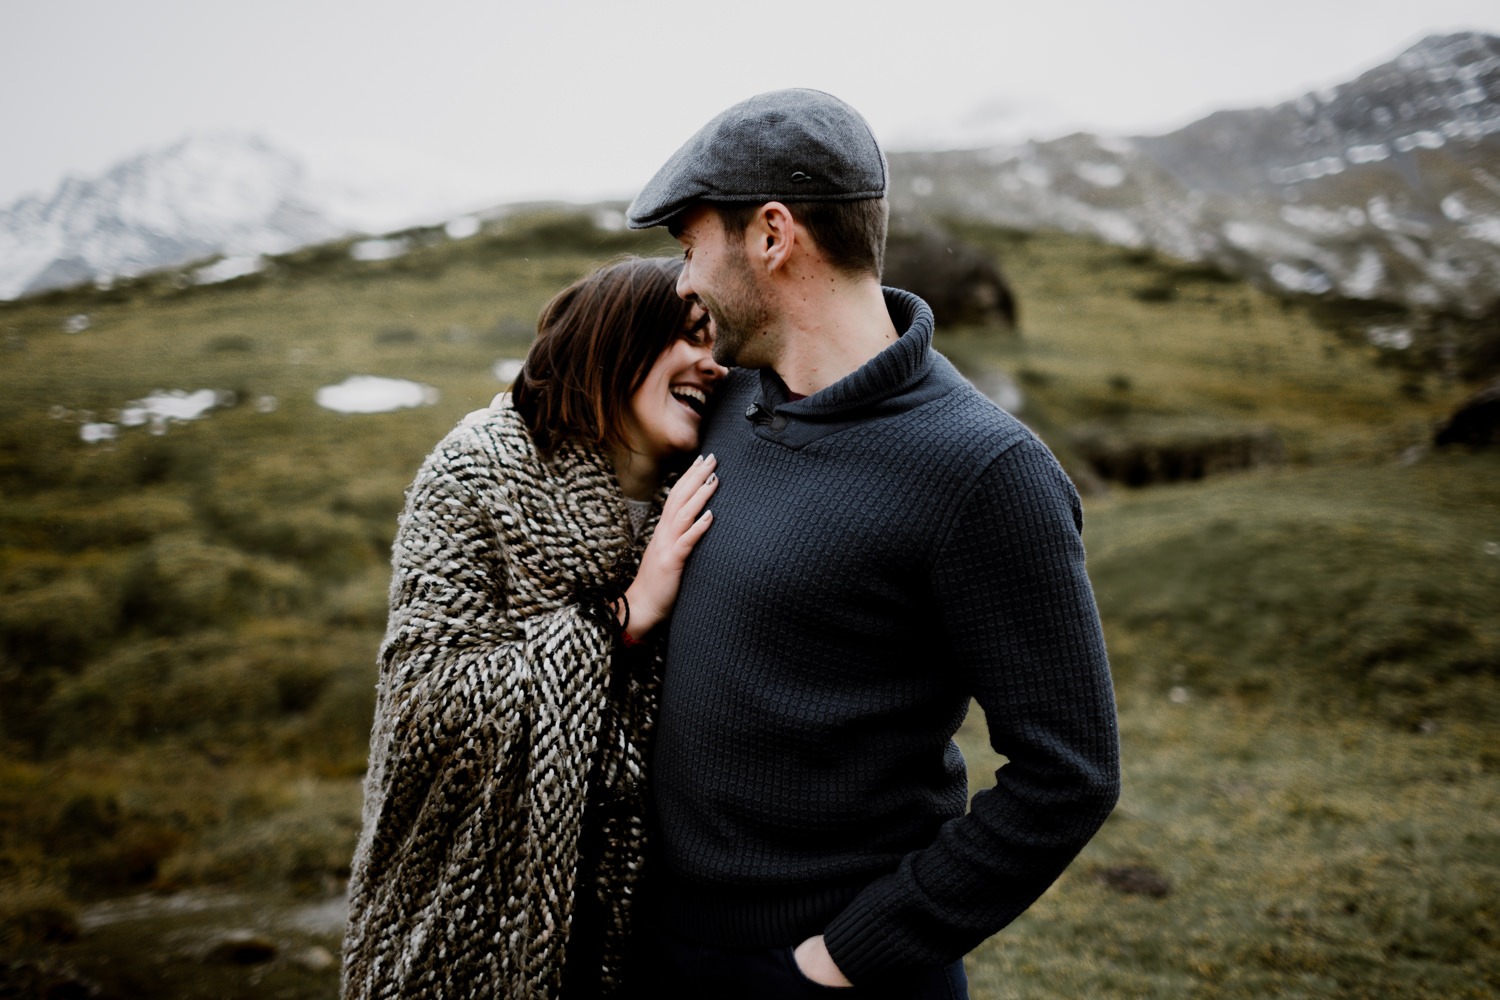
(740,316)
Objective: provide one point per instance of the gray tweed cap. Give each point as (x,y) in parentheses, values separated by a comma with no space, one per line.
(785,145)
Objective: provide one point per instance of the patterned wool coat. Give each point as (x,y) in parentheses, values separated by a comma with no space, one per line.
(505,777)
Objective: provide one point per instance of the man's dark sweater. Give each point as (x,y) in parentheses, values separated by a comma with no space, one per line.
(882,551)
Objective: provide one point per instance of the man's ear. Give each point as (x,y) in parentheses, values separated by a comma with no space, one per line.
(774,236)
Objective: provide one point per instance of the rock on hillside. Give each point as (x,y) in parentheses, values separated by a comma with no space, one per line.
(1384,188)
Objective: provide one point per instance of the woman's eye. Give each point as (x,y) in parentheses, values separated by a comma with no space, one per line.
(698,333)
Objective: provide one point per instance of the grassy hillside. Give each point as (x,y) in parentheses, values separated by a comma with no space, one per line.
(1306,651)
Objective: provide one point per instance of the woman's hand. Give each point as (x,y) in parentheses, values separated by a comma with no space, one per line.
(684,519)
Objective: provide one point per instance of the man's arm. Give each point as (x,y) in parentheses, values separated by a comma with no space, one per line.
(1020,627)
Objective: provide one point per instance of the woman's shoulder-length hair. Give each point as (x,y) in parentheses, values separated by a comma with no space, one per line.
(596,340)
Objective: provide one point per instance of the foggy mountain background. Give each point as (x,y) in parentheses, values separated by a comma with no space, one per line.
(1386,187)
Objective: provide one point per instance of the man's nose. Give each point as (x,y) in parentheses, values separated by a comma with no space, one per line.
(684,286)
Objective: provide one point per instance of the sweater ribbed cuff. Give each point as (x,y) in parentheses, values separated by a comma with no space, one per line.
(854,940)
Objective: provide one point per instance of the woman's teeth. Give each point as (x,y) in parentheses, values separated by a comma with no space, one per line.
(691,396)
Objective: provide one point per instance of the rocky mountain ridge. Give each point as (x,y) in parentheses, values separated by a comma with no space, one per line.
(1384,188)
(225,194)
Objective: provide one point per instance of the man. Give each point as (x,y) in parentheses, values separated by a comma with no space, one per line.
(887,545)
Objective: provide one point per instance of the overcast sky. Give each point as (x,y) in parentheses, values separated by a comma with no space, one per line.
(586,98)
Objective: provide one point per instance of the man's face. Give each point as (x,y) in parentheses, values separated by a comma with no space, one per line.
(717,274)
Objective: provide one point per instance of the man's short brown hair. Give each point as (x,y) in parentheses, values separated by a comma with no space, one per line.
(595,342)
(851,234)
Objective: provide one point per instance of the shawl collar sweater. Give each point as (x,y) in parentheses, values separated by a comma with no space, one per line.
(883,551)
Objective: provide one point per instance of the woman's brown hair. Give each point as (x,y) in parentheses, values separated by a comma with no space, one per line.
(595,342)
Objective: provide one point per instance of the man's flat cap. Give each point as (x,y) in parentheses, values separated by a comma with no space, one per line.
(785,145)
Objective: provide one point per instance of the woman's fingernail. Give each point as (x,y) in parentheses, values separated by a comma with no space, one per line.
(711,477)
(698,460)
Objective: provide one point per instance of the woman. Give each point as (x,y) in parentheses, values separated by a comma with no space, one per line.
(503,829)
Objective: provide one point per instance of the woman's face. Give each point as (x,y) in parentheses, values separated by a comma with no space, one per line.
(667,410)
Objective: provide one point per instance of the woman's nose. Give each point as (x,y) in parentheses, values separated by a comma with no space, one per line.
(710,367)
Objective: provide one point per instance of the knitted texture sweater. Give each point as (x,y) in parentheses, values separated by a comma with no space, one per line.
(882,552)
(504,795)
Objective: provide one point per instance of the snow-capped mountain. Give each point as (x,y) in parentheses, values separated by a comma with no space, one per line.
(1387,187)
(228,194)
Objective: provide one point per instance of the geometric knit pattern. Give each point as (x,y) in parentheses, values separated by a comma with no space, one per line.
(505,788)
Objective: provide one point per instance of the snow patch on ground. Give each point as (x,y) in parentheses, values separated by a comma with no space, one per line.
(375,394)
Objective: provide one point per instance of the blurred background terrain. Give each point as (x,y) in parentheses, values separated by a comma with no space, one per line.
(1264,344)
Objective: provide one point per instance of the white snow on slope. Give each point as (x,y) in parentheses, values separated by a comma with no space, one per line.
(230,194)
